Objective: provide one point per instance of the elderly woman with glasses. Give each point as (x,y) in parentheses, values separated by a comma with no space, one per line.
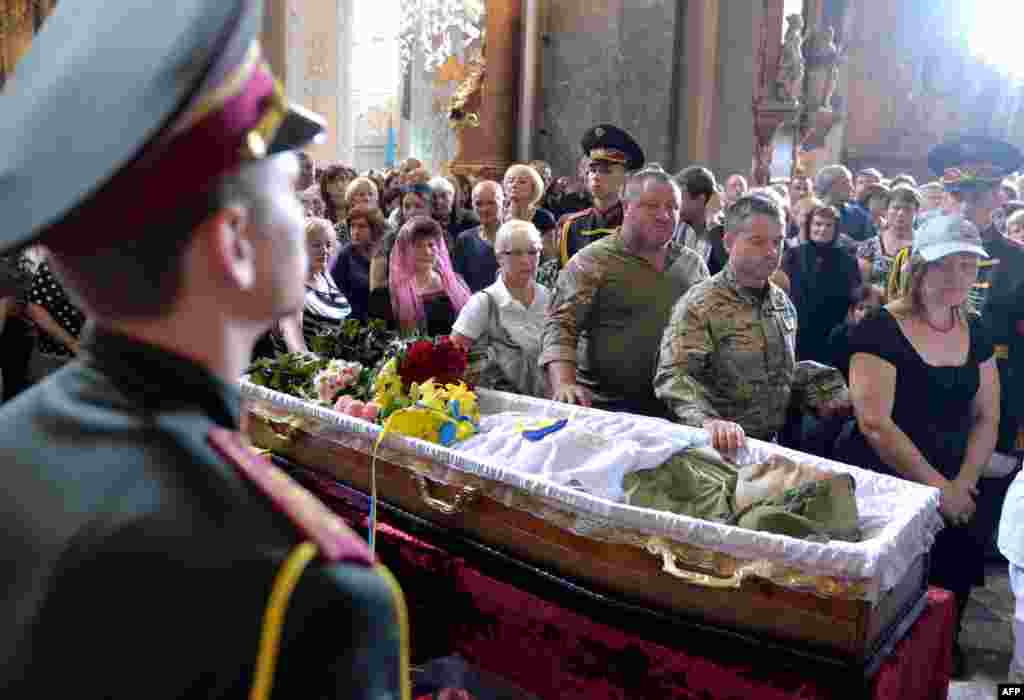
(503,323)
(325,306)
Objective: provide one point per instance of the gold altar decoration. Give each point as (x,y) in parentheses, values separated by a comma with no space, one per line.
(19,21)
(458,116)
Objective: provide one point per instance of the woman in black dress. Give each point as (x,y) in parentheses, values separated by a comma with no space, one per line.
(925,390)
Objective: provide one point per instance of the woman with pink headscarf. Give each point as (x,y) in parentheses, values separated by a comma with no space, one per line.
(423,293)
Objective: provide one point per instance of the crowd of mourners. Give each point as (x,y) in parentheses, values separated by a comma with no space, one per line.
(842,315)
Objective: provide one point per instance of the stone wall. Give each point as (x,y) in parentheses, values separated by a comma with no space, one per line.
(633,63)
(608,61)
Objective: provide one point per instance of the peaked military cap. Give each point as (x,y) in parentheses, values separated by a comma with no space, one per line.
(973,162)
(122,112)
(613,145)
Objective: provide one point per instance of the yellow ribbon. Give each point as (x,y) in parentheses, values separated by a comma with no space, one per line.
(273,619)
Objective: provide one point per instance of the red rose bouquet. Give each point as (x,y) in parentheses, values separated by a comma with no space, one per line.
(442,361)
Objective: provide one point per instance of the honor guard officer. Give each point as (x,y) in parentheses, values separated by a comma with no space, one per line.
(148,552)
(613,153)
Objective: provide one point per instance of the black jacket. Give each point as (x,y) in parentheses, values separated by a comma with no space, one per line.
(138,561)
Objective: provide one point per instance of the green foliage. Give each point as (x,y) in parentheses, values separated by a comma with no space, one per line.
(353,341)
(289,373)
(370,344)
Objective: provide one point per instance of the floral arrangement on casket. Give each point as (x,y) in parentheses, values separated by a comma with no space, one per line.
(411,386)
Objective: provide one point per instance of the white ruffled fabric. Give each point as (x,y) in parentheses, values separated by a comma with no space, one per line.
(899,518)
(593,452)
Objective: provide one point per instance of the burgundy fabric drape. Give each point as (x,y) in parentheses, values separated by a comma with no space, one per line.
(560,654)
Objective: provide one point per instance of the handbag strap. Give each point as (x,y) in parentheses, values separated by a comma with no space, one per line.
(494,319)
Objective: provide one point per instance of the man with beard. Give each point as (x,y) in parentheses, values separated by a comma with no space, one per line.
(728,356)
(612,300)
(612,153)
(148,551)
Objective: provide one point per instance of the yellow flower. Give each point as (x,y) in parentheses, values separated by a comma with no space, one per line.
(387,386)
(467,403)
(415,422)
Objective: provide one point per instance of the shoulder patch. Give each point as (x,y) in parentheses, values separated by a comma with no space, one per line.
(335,540)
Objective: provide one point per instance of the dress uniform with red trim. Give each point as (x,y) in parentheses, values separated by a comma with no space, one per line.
(612,145)
(142,538)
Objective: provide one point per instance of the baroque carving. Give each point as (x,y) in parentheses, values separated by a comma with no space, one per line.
(823,59)
(790,74)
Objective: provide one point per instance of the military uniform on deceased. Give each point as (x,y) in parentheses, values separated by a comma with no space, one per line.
(608,144)
(730,353)
(148,551)
(607,314)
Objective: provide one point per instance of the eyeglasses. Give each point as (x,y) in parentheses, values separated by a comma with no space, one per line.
(534,252)
(320,247)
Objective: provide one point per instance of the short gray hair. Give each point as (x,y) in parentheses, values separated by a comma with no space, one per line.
(636,181)
(438,184)
(516,227)
(738,216)
(827,176)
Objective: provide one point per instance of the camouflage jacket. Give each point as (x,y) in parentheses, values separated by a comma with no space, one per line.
(729,353)
(607,314)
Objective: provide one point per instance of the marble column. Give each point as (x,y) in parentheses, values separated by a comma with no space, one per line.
(308,46)
(737,76)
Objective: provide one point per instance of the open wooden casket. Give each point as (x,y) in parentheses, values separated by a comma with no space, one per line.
(853,600)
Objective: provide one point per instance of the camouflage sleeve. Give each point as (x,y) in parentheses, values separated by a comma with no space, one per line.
(815,384)
(569,307)
(694,268)
(683,364)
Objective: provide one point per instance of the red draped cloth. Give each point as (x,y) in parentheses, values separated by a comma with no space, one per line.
(558,654)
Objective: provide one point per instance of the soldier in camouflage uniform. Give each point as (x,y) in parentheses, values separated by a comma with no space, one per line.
(728,358)
(611,303)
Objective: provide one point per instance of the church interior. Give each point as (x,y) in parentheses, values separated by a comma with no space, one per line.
(774,92)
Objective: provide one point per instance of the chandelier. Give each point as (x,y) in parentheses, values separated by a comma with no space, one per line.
(437,28)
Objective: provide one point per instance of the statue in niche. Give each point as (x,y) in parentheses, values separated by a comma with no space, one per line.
(822,58)
(790,75)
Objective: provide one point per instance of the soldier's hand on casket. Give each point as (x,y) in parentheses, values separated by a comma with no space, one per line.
(726,436)
(573,393)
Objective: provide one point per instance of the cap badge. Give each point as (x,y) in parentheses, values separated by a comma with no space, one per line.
(598,132)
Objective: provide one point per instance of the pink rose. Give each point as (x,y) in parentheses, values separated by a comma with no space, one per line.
(370,411)
(343,404)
